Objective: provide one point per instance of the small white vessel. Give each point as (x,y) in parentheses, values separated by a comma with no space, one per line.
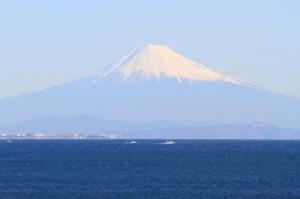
(8,141)
(131,142)
(169,141)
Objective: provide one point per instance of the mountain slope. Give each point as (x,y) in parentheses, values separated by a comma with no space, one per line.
(156,84)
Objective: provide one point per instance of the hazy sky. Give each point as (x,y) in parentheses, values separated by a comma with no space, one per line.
(45,43)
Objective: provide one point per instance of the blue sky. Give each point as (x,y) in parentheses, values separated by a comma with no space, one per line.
(45,43)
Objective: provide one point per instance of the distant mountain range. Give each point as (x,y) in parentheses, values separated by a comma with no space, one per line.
(221,131)
(145,89)
(86,124)
(89,125)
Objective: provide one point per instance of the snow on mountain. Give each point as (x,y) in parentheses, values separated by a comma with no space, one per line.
(156,61)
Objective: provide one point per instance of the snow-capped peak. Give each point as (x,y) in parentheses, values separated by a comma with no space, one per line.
(156,61)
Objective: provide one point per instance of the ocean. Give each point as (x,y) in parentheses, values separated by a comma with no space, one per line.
(189,169)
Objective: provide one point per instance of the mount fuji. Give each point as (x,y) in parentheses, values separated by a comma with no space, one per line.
(159,62)
(156,87)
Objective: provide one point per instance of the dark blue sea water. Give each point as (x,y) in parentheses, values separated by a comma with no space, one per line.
(112,169)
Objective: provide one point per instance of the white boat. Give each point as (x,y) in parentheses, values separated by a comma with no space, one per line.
(131,142)
(169,141)
(8,141)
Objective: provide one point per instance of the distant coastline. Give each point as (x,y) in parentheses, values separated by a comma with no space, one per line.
(44,136)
